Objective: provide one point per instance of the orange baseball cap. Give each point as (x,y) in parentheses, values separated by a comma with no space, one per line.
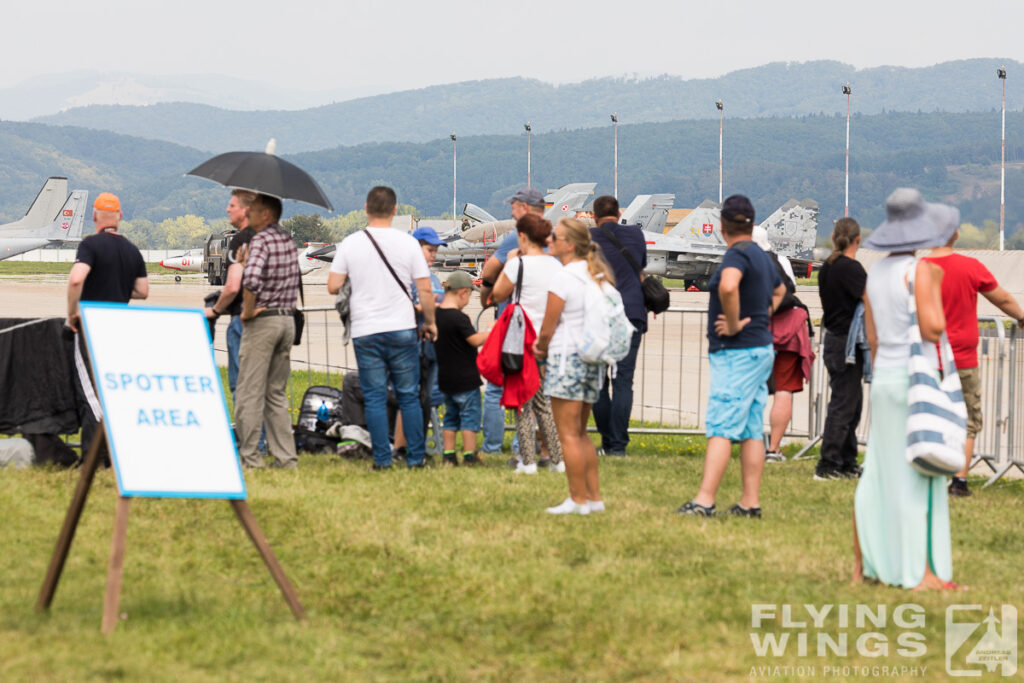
(107,202)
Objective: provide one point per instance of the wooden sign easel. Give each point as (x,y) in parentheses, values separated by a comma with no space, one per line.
(115,570)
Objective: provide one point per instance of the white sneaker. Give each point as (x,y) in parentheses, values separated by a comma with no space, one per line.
(568,507)
(560,467)
(526,469)
(595,505)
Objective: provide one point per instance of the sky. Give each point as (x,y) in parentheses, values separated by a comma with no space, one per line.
(396,45)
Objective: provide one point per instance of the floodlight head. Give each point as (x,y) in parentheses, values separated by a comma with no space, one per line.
(1001,72)
(846,89)
(615,117)
(452,136)
(527,127)
(718,105)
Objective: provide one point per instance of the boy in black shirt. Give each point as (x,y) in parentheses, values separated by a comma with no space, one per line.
(457,375)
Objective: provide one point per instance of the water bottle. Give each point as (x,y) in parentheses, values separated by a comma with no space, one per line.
(322,413)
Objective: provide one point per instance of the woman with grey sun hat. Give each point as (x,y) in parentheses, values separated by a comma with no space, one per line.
(901,517)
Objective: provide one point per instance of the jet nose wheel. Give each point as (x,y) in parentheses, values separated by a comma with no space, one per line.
(177,278)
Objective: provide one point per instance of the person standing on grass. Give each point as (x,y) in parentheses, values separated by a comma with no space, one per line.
(538,271)
(457,374)
(841,284)
(901,533)
(572,384)
(108,267)
(270,292)
(613,407)
(524,201)
(383,321)
(964,278)
(429,242)
(745,290)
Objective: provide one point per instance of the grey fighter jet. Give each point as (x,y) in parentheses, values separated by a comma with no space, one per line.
(53,218)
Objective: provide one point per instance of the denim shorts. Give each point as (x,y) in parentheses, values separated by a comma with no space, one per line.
(571,379)
(462,411)
(738,392)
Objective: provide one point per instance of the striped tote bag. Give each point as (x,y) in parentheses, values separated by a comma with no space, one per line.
(937,413)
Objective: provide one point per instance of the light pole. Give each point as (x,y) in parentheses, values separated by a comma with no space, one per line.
(721,119)
(529,130)
(615,161)
(1001,72)
(455,176)
(847,91)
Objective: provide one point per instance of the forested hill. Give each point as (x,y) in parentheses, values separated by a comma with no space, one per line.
(952,156)
(502,106)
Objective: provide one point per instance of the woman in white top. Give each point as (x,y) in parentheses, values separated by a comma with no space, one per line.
(901,517)
(571,384)
(538,269)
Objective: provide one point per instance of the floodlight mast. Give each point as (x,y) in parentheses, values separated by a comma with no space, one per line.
(721,119)
(1001,72)
(455,175)
(615,161)
(847,91)
(529,130)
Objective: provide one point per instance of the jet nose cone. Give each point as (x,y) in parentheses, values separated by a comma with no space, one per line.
(161,263)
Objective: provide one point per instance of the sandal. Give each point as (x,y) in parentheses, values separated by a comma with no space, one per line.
(695,508)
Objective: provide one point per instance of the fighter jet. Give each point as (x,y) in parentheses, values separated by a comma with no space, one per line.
(192,261)
(54,217)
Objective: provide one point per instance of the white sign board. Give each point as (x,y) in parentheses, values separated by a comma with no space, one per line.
(163,402)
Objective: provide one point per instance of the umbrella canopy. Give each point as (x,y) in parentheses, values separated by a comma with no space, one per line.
(263,173)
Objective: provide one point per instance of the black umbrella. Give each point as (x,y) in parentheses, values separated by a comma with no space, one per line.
(265,173)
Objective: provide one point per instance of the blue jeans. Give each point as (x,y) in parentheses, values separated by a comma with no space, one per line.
(391,357)
(611,412)
(234,339)
(494,419)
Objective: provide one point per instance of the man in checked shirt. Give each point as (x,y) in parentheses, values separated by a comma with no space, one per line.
(270,288)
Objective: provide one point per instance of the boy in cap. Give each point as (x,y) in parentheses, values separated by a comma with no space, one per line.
(745,290)
(457,374)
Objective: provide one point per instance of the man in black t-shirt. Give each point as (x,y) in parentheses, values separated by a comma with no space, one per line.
(457,374)
(107,267)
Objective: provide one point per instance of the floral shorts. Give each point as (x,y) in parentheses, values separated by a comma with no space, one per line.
(570,378)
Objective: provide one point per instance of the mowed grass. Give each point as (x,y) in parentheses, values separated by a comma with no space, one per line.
(53,268)
(458,574)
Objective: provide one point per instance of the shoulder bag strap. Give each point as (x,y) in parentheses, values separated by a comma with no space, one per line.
(519,281)
(390,269)
(615,240)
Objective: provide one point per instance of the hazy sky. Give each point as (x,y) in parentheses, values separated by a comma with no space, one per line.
(326,45)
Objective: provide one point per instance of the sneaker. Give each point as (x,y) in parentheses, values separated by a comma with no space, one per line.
(470,459)
(596,505)
(380,468)
(851,472)
(568,507)
(828,475)
(774,456)
(527,469)
(958,487)
(695,508)
(450,459)
(557,467)
(600,451)
(740,511)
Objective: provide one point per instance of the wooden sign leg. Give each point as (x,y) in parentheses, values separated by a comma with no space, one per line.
(67,532)
(116,569)
(245,516)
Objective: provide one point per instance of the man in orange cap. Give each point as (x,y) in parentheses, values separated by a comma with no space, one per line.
(107,267)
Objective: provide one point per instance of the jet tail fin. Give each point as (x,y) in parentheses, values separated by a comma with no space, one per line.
(649,211)
(67,225)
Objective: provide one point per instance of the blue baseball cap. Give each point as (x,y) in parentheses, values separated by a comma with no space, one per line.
(428,235)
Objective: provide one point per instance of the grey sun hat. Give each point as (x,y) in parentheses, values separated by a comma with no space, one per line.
(912,223)
(530,196)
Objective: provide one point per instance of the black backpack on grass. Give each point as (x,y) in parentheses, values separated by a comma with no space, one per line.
(310,431)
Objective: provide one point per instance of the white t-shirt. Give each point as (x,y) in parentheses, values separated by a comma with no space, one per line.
(568,286)
(538,272)
(377,305)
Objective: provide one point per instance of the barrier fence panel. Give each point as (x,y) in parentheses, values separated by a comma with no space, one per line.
(1012,427)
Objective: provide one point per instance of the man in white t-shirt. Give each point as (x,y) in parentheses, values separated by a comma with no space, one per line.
(378,260)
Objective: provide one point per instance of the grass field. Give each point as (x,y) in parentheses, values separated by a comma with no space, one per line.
(455,574)
(53,268)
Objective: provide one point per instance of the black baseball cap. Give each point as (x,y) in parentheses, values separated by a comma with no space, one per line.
(738,209)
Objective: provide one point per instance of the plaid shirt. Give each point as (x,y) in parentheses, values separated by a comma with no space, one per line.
(272,268)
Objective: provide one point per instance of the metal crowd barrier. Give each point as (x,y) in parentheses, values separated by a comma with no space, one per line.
(670,385)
